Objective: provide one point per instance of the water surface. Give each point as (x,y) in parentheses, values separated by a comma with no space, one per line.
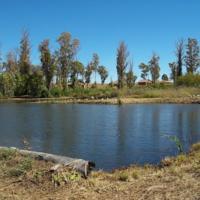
(112,136)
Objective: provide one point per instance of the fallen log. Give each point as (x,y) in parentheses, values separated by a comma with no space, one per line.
(79,165)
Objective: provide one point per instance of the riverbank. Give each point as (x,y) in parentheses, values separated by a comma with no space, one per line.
(22,177)
(112,101)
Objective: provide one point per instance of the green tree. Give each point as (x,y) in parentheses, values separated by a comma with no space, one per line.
(66,54)
(180,57)
(144,71)
(130,77)
(95,63)
(174,70)
(24,54)
(165,77)
(11,64)
(192,60)
(48,62)
(154,68)
(88,73)
(36,84)
(122,55)
(103,72)
(76,70)
(7,84)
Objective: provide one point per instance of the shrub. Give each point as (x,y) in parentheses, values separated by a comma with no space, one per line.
(189,80)
(56,91)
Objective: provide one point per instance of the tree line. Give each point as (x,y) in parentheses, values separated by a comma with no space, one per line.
(186,55)
(61,69)
(20,77)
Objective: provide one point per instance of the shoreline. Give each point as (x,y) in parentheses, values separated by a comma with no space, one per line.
(176,178)
(109,101)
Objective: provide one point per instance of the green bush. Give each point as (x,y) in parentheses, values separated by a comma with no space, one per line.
(189,80)
(56,91)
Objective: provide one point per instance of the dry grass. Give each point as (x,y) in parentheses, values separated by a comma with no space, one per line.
(175,178)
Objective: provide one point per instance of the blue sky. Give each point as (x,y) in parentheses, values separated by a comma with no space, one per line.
(146,26)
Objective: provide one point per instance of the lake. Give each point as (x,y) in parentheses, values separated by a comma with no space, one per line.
(112,136)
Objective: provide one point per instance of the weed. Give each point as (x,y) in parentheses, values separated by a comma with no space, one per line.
(7,154)
(123,176)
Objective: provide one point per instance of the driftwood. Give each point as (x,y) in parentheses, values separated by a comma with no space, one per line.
(80,165)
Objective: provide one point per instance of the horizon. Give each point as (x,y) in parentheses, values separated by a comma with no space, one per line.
(146,27)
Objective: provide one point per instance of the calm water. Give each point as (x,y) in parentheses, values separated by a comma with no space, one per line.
(112,136)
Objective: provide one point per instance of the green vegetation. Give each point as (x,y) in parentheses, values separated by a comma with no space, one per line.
(60,74)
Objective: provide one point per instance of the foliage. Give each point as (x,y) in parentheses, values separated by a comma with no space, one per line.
(95,64)
(122,54)
(103,73)
(154,68)
(192,60)
(165,77)
(88,73)
(180,56)
(130,77)
(56,91)
(7,84)
(66,53)
(76,71)
(24,57)
(7,154)
(174,71)
(144,70)
(189,80)
(48,62)
(177,142)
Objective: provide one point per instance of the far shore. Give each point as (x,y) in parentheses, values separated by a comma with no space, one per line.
(111,101)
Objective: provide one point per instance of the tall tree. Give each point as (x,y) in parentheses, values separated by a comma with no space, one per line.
(192,60)
(24,54)
(154,68)
(88,73)
(11,64)
(144,71)
(174,71)
(95,63)
(180,56)
(103,73)
(66,54)
(122,55)
(76,70)
(48,62)
(130,77)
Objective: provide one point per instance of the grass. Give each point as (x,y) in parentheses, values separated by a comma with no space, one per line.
(175,178)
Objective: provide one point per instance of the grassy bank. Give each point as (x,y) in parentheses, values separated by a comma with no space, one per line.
(125,96)
(25,178)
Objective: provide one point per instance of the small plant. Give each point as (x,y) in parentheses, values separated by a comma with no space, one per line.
(21,168)
(177,142)
(135,175)
(7,154)
(123,176)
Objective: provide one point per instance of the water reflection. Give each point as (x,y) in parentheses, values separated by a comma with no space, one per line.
(112,136)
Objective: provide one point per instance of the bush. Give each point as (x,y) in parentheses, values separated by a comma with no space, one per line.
(56,91)
(189,80)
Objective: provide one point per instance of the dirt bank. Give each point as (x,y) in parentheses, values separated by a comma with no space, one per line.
(123,100)
(24,178)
